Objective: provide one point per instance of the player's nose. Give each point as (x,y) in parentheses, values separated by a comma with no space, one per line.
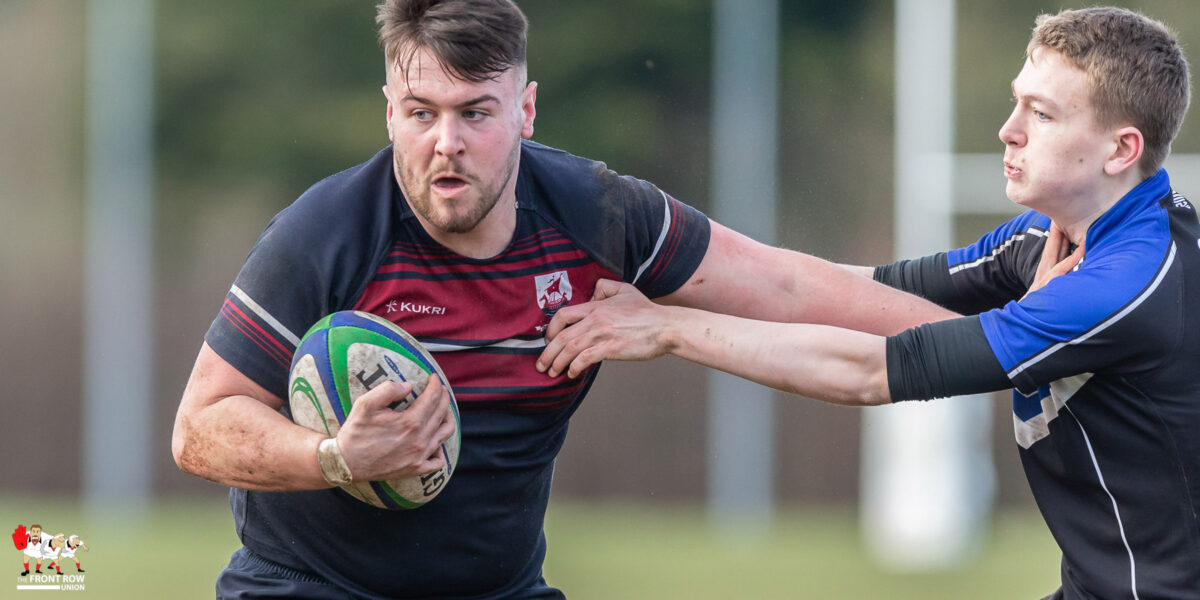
(1010,132)
(449,138)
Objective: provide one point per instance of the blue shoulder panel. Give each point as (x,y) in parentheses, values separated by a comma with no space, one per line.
(1127,249)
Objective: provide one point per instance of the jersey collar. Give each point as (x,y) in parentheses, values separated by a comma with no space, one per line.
(1142,197)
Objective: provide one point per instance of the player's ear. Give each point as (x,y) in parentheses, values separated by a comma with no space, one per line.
(1127,150)
(390,108)
(528,109)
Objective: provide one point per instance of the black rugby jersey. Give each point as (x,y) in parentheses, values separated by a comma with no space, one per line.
(352,242)
(1105,362)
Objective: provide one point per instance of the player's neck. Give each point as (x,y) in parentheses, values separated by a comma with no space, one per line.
(1077,218)
(489,238)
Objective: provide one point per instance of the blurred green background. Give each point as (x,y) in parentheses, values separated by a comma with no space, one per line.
(597,551)
(255,101)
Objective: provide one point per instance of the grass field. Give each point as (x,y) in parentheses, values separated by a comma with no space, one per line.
(597,552)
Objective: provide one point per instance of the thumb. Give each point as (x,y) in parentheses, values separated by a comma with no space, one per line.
(607,288)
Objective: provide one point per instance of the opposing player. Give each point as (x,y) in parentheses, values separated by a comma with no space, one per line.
(1101,342)
(470,237)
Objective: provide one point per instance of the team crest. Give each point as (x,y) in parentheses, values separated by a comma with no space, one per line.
(553,291)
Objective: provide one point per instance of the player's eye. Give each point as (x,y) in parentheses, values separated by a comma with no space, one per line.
(473,115)
(422,115)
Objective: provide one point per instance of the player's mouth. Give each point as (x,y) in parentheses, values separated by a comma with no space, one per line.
(449,185)
(1010,171)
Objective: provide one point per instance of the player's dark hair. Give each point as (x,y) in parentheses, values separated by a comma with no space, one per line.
(1138,72)
(475,40)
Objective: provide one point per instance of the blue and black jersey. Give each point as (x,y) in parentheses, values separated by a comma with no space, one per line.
(1105,366)
(352,242)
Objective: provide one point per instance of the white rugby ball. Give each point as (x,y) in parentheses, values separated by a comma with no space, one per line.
(343,356)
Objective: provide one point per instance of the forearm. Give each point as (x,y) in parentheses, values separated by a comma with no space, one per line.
(744,278)
(241,442)
(827,294)
(825,363)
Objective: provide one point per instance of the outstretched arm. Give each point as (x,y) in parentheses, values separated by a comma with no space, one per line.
(825,363)
(832,364)
(745,278)
(229,429)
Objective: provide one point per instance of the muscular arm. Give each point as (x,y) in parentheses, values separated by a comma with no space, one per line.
(228,429)
(744,278)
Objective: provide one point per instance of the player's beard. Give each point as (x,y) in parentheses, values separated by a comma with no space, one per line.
(418,190)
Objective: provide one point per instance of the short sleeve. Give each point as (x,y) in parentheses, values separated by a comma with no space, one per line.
(666,240)
(315,257)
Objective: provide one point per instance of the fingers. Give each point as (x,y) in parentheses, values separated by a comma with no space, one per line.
(435,433)
(550,362)
(379,443)
(1055,260)
(575,350)
(557,335)
(553,358)
(566,346)
(1056,244)
(620,323)
(1067,264)
(435,458)
(569,353)
(431,400)
(1064,244)
(566,316)
(1054,250)
(569,315)
(584,361)
(381,396)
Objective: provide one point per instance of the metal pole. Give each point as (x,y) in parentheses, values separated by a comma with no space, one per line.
(926,473)
(118,246)
(741,465)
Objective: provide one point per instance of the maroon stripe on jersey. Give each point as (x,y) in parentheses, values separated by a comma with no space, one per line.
(469,309)
(479,306)
(506,406)
(510,383)
(671,244)
(427,249)
(418,251)
(515,267)
(517,397)
(547,245)
(542,237)
(257,334)
(529,399)
(479,373)
(437,249)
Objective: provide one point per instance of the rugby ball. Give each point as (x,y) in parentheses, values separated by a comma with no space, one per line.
(338,360)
